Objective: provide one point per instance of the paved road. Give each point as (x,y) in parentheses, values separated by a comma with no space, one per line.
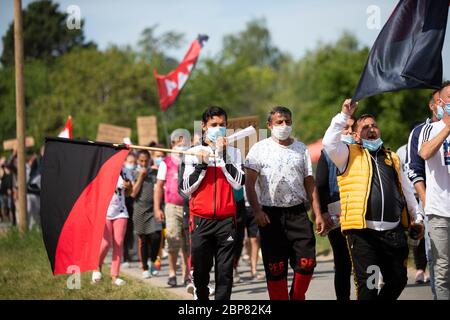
(321,287)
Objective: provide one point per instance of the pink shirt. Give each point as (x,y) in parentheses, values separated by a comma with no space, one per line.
(168,172)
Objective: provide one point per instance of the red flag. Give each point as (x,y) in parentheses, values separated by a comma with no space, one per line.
(67,131)
(170,85)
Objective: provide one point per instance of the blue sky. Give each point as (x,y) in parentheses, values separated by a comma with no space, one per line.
(295,25)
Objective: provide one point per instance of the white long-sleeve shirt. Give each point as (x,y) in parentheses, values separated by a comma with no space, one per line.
(338,152)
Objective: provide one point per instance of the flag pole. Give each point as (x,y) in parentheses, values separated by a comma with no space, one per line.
(137,147)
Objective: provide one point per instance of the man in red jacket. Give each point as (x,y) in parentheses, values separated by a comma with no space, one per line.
(209,181)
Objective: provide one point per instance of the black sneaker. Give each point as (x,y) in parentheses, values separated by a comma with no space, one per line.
(172,281)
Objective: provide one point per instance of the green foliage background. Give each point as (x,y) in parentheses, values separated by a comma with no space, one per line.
(247,77)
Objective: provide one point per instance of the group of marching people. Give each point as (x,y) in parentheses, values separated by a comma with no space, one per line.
(149,202)
(364,197)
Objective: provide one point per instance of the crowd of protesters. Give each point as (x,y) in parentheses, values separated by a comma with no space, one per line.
(9,188)
(199,209)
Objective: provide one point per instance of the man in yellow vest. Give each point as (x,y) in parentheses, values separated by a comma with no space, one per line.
(377,205)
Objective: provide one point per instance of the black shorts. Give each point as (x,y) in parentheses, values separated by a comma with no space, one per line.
(250,223)
(289,237)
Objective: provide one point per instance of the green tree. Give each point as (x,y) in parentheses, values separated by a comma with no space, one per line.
(153,47)
(317,84)
(36,75)
(111,87)
(45,34)
(253,46)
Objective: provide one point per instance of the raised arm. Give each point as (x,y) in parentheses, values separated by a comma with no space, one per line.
(334,147)
(430,147)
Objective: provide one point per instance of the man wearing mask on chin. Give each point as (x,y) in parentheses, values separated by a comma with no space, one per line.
(279,180)
(167,184)
(209,178)
(377,205)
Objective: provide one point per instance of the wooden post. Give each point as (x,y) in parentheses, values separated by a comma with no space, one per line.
(166,132)
(20,116)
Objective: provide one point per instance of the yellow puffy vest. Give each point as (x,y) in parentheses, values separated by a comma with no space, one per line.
(354,187)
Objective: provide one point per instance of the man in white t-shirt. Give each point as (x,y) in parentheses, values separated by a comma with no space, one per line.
(280,168)
(434,148)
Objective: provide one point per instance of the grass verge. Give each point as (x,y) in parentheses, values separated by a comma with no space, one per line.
(25,273)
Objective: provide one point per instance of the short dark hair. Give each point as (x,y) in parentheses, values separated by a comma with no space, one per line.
(131,154)
(432,95)
(444,85)
(161,146)
(361,118)
(279,109)
(213,111)
(144,152)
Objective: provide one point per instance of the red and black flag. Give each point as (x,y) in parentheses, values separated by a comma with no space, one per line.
(408,51)
(78,182)
(170,85)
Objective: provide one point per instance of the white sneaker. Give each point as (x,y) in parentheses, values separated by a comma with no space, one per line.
(211,290)
(119,282)
(420,277)
(146,274)
(96,276)
(195,295)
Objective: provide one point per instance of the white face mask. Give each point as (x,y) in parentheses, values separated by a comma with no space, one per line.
(281,132)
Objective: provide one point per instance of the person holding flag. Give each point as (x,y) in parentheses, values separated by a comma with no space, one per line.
(209,179)
(377,204)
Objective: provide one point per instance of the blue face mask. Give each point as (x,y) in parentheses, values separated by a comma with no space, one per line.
(158,161)
(372,145)
(439,112)
(214,132)
(447,109)
(348,139)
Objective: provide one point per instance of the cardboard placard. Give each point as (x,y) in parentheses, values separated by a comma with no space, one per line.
(112,134)
(147,130)
(12,143)
(236,124)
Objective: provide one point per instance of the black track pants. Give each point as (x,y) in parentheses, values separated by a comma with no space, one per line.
(213,241)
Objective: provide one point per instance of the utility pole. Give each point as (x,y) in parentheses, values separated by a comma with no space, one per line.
(20,116)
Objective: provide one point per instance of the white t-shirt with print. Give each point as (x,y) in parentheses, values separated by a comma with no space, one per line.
(282,170)
(117,208)
(437,170)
